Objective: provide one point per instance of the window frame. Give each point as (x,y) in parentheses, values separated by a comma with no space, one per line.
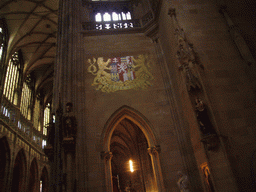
(12,78)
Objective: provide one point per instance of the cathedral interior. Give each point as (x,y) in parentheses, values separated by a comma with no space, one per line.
(127,95)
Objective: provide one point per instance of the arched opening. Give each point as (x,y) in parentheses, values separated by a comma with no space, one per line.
(33,184)
(131,164)
(4,162)
(44,181)
(128,136)
(19,173)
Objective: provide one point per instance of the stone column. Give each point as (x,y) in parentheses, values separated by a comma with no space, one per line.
(69,150)
(107,156)
(214,150)
(69,177)
(154,154)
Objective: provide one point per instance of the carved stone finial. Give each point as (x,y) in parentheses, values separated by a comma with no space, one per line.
(172,12)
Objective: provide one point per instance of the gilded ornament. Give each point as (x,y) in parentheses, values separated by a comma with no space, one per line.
(121,73)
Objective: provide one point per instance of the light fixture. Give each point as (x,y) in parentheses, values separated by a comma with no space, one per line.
(131,166)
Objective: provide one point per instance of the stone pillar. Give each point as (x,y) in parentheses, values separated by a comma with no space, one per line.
(154,154)
(107,156)
(69,151)
(146,167)
(213,150)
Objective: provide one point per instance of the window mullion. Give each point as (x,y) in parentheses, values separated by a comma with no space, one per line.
(12,75)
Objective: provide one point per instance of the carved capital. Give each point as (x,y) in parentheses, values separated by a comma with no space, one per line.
(154,150)
(107,156)
(172,12)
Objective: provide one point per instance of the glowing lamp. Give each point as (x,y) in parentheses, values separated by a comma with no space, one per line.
(131,165)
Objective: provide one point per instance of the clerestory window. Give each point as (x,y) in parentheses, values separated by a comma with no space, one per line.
(36,115)
(26,98)
(12,78)
(46,118)
(113,20)
(112,14)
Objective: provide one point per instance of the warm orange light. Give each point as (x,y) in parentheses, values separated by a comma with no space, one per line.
(131,165)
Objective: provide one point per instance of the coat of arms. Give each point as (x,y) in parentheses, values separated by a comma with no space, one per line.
(121,73)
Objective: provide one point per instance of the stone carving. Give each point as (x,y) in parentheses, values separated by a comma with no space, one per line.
(204,122)
(186,56)
(183,182)
(69,121)
(121,73)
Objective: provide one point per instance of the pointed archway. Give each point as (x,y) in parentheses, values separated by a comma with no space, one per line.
(44,180)
(128,135)
(33,184)
(4,163)
(19,172)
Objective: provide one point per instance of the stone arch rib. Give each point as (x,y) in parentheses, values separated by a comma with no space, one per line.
(126,112)
(33,183)
(19,172)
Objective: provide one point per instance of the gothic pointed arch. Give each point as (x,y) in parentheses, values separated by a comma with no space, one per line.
(19,172)
(44,187)
(128,135)
(4,162)
(126,112)
(33,183)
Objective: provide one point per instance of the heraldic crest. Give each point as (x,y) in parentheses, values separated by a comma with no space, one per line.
(121,73)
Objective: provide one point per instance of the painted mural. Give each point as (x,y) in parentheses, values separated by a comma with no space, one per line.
(121,73)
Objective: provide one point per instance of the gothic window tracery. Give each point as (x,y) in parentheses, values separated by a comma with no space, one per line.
(111,14)
(36,115)
(26,98)
(46,118)
(12,79)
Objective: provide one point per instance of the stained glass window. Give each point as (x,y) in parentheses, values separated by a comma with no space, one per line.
(12,78)
(25,101)
(36,115)
(46,118)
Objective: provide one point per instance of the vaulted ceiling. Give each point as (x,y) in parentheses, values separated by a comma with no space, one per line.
(32,28)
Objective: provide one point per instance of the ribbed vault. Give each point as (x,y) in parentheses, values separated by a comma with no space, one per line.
(32,28)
